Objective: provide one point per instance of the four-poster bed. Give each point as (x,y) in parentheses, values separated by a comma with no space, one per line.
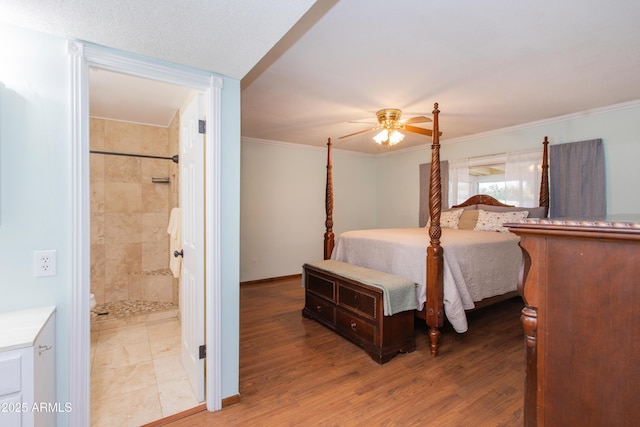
(438,277)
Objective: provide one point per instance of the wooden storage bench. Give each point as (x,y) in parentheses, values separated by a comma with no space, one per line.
(350,301)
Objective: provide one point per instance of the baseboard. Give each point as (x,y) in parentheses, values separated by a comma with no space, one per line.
(231,400)
(271,279)
(227,401)
(178,416)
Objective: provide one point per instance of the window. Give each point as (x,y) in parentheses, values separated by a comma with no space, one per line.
(488,179)
(512,178)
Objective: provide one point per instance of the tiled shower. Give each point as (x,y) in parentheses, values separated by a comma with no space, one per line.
(131,199)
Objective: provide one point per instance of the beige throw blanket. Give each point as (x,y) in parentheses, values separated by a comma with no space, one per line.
(477,264)
(399,293)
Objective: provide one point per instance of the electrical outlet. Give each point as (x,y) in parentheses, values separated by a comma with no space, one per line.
(44,263)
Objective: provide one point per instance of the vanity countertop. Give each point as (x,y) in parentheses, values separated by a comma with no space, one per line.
(20,328)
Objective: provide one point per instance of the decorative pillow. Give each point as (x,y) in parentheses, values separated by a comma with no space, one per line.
(492,221)
(537,212)
(468,219)
(448,219)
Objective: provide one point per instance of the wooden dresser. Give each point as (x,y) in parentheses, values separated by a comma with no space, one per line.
(581,287)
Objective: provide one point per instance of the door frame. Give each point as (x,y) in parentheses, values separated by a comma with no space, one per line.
(82,57)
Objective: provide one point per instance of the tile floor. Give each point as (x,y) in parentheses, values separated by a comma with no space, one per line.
(136,373)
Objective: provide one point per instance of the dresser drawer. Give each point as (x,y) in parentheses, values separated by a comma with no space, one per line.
(321,285)
(10,369)
(355,328)
(359,299)
(320,309)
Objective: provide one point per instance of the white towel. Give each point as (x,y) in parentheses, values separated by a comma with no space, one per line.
(175,241)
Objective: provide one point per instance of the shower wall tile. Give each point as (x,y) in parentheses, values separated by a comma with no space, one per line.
(137,287)
(155,198)
(121,197)
(97,261)
(154,168)
(122,228)
(129,213)
(155,256)
(122,137)
(154,227)
(96,228)
(96,134)
(122,258)
(96,202)
(116,288)
(154,141)
(97,288)
(96,167)
(122,169)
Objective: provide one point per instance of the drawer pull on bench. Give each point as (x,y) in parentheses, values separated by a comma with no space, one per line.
(353,325)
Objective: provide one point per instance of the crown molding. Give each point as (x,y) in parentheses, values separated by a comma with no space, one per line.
(565,117)
(293,145)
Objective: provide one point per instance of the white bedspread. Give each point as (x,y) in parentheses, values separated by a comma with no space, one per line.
(477,264)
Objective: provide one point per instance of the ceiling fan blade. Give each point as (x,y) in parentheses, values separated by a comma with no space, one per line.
(416,119)
(358,133)
(422,131)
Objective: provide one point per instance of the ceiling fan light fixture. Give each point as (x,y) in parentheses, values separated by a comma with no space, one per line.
(395,137)
(389,125)
(382,137)
(391,138)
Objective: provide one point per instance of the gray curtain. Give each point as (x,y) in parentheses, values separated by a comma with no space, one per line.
(425,182)
(576,175)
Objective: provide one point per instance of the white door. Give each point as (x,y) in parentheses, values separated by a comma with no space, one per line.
(192,193)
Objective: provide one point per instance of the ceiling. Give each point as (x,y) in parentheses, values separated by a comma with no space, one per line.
(489,65)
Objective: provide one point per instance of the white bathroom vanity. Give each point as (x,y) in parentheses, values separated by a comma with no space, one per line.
(27,368)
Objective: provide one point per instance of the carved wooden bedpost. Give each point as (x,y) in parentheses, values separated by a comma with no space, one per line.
(328,223)
(435,289)
(544,181)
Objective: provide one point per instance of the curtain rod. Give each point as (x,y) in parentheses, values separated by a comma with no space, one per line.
(174,158)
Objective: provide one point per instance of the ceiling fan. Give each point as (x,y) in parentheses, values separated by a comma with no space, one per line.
(390,125)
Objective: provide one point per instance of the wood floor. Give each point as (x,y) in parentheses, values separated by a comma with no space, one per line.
(295,372)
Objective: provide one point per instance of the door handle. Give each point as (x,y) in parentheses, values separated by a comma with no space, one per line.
(177,254)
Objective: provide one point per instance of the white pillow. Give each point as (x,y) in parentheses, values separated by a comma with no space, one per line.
(448,219)
(492,221)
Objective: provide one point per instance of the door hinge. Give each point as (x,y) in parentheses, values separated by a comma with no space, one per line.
(202,352)
(202,126)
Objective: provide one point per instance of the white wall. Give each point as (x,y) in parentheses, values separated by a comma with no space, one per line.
(35,181)
(35,192)
(282,204)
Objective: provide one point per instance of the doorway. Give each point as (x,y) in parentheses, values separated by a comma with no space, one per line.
(83,57)
(137,324)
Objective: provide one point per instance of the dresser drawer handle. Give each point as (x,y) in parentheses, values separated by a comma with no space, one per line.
(353,325)
(319,308)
